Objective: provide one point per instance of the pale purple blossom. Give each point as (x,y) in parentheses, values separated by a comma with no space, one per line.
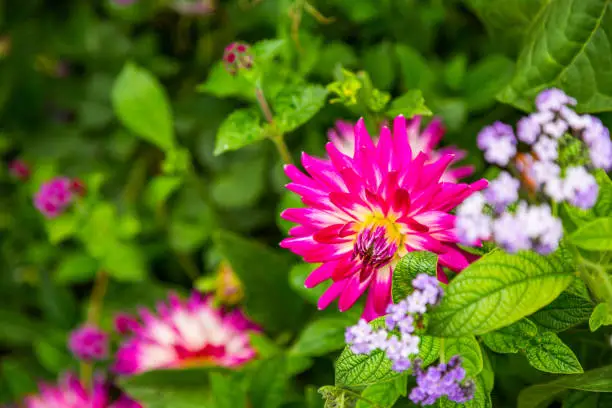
(600,153)
(510,233)
(580,187)
(553,100)
(441,380)
(528,129)
(546,149)
(471,229)
(498,143)
(543,171)
(502,191)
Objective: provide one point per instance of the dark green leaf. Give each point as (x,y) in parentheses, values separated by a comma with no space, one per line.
(497,290)
(511,339)
(322,336)
(358,370)
(298,275)
(263,272)
(548,353)
(429,349)
(76,268)
(537,396)
(412,264)
(141,104)
(227,391)
(565,48)
(564,312)
(268,383)
(184,388)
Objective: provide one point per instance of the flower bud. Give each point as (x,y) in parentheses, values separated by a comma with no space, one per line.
(237,56)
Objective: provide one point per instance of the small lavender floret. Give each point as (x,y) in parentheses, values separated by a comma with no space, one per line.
(502,191)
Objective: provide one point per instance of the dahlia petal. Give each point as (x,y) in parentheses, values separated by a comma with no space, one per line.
(331,234)
(384,147)
(319,275)
(353,290)
(453,175)
(331,293)
(401,148)
(441,275)
(453,258)
(433,133)
(381,289)
(401,201)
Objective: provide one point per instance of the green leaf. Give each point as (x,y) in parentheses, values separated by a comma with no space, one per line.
(511,339)
(76,268)
(296,105)
(241,128)
(429,349)
(125,262)
(223,85)
(142,105)
(412,264)
(564,312)
(263,272)
(337,397)
(565,48)
(468,349)
(298,275)
(581,399)
(409,104)
(227,391)
(594,236)
(160,189)
(241,185)
(378,61)
(322,336)
(269,382)
(601,316)
(498,290)
(184,388)
(538,396)
(548,353)
(61,228)
(381,395)
(359,370)
(485,79)
(414,69)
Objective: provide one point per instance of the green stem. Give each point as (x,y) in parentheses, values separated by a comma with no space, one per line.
(93,317)
(276,136)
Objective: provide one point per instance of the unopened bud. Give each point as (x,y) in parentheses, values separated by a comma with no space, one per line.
(237,56)
(19,169)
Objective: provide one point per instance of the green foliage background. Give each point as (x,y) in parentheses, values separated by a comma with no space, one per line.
(179,178)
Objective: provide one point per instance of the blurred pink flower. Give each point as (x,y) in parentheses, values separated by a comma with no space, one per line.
(89,343)
(70,393)
(19,169)
(237,56)
(53,197)
(366,210)
(186,334)
(343,137)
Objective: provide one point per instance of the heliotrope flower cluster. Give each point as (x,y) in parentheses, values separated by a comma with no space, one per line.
(445,379)
(400,349)
(56,195)
(366,210)
(89,343)
(70,393)
(426,141)
(184,334)
(400,342)
(498,213)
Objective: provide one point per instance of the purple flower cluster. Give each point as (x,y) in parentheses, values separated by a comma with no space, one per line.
(441,380)
(534,227)
(89,343)
(401,316)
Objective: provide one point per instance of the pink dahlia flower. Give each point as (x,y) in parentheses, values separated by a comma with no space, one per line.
(343,137)
(19,169)
(365,211)
(70,393)
(53,197)
(186,334)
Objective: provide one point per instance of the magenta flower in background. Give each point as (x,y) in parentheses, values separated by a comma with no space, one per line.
(343,137)
(70,393)
(186,334)
(364,212)
(89,343)
(19,169)
(54,197)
